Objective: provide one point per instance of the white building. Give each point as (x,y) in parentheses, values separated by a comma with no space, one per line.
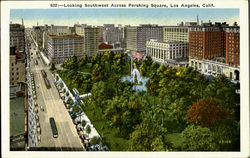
(216,68)
(165,52)
(63,47)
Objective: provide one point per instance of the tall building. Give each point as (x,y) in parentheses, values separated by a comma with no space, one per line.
(17,67)
(112,35)
(100,34)
(17,36)
(165,52)
(175,34)
(63,47)
(233,45)
(138,35)
(38,35)
(90,36)
(206,41)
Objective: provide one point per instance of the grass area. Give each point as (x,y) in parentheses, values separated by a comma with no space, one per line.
(111,135)
(175,139)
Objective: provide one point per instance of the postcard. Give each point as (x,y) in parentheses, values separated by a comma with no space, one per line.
(125,78)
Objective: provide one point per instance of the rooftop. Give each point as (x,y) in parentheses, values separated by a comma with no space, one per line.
(64,36)
(17,114)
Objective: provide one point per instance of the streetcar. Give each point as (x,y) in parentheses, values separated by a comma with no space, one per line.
(53,127)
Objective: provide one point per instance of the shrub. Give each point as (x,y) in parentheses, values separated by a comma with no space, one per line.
(95,140)
(83,123)
(67,93)
(88,129)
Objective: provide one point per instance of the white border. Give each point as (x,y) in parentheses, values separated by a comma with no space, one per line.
(244,75)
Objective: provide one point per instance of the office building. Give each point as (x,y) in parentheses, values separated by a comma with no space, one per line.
(17,36)
(137,36)
(175,34)
(112,35)
(170,53)
(233,45)
(17,67)
(61,48)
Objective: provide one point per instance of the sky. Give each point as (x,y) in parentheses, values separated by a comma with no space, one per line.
(123,16)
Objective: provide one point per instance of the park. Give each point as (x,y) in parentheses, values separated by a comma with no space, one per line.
(140,105)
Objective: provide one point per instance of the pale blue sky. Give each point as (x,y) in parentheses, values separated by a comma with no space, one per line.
(121,16)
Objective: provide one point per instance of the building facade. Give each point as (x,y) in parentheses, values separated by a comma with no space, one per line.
(17,36)
(61,48)
(206,41)
(175,34)
(216,68)
(165,52)
(17,67)
(232,45)
(91,40)
(137,36)
(113,35)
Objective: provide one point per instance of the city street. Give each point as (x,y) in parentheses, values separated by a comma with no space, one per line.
(53,106)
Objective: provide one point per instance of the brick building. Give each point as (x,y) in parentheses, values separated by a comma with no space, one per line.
(232,45)
(206,41)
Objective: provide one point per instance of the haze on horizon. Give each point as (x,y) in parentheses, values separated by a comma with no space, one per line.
(97,16)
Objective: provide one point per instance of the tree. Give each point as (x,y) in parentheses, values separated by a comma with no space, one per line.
(206,112)
(52,66)
(223,91)
(146,136)
(67,93)
(83,123)
(95,140)
(88,129)
(75,108)
(161,109)
(197,138)
(97,73)
(158,144)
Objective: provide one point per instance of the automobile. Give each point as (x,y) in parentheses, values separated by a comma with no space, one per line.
(41,107)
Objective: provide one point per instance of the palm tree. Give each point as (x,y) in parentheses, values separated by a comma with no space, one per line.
(161,109)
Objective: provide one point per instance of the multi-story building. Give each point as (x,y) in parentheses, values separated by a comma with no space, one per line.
(90,36)
(17,37)
(17,67)
(63,47)
(232,45)
(112,35)
(38,35)
(100,34)
(138,35)
(214,50)
(54,30)
(175,34)
(174,53)
(215,68)
(206,41)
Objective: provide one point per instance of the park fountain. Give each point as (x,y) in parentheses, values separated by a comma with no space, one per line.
(139,82)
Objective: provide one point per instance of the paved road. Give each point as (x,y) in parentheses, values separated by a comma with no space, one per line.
(68,138)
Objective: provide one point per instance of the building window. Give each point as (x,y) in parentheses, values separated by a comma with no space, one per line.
(17,78)
(17,68)
(17,73)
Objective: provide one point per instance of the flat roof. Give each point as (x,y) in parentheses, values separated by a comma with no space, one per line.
(64,36)
(17,114)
